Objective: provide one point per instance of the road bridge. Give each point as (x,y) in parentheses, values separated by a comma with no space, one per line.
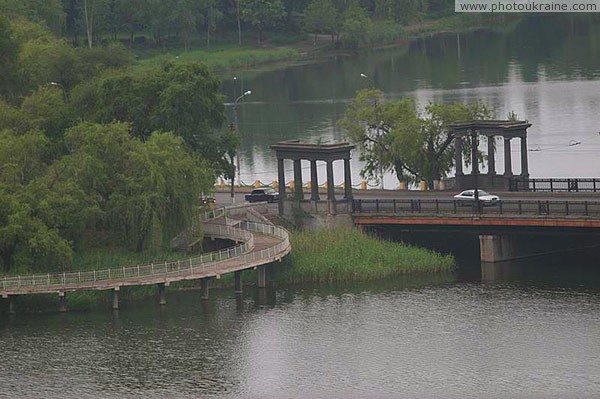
(500,227)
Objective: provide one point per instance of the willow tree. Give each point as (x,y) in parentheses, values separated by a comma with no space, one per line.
(396,136)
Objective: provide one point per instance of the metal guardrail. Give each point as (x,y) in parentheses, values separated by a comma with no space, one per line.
(199,265)
(574,185)
(588,209)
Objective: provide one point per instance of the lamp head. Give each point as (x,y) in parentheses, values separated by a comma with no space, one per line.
(248,93)
(362,75)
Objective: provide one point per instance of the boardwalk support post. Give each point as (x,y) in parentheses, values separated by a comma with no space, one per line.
(11,304)
(204,287)
(62,301)
(238,281)
(162,296)
(115,298)
(261,276)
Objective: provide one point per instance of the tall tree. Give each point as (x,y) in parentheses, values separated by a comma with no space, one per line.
(321,17)
(183,98)
(262,14)
(394,136)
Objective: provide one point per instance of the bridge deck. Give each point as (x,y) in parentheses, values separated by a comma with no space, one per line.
(263,244)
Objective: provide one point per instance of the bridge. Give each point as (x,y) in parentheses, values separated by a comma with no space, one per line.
(257,244)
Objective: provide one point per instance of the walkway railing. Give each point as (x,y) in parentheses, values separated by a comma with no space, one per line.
(556,185)
(194,267)
(589,209)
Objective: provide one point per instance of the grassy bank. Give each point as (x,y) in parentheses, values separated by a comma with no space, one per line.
(351,255)
(222,58)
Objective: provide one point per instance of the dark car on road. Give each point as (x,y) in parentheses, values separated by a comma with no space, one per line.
(262,194)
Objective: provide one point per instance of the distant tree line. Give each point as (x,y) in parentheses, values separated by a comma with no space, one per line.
(94,154)
(162,22)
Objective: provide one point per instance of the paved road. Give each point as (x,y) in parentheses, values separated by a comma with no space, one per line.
(224,198)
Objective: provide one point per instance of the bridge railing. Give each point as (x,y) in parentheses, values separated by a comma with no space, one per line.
(589,209)
(574,185)
(193,264)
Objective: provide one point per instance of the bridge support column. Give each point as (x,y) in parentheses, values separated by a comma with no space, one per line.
(261,276)
(162,294)
(115,298)
(11,304)
(204,287)
(62,302)
(496,248)
(237,276)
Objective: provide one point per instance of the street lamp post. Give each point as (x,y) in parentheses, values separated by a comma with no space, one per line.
(237,131)
(362,75)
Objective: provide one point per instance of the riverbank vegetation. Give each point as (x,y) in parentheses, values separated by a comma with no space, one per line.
(345,254)
(92,154)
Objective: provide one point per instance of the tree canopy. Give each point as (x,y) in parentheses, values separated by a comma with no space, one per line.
(396,136)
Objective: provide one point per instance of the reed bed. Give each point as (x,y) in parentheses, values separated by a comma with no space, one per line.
(345,254)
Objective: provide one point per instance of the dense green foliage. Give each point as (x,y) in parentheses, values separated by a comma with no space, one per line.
(92,155)
(351,255)
(395,136)
(185,23)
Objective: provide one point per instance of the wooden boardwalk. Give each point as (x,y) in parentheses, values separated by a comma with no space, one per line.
(257,244)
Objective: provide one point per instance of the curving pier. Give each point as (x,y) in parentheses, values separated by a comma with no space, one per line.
(258,243)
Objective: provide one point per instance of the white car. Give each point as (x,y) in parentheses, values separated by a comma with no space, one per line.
(468,196)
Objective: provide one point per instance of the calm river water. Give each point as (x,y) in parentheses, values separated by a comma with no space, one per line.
(533,332)
(544,69)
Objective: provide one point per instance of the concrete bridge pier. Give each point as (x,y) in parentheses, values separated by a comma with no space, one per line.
(62,302)
(115,298)
(496,248)
(238,282)
(261,276)
(162,294)
(204,287)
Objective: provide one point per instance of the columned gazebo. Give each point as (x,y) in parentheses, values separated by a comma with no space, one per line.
(297,152)
(471,132)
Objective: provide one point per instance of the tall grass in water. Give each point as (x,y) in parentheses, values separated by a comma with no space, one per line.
(351,255)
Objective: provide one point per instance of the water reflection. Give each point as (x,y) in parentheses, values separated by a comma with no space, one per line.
(544,69)
(422,337)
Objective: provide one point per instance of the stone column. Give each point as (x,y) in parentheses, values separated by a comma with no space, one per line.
(458,156)
(474,161)
(524,165)
(281,178)
(491,156)
(162,295)
(507,158)
(330,186)
(237,276)
(298,194)
(347,179)
(314,181)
